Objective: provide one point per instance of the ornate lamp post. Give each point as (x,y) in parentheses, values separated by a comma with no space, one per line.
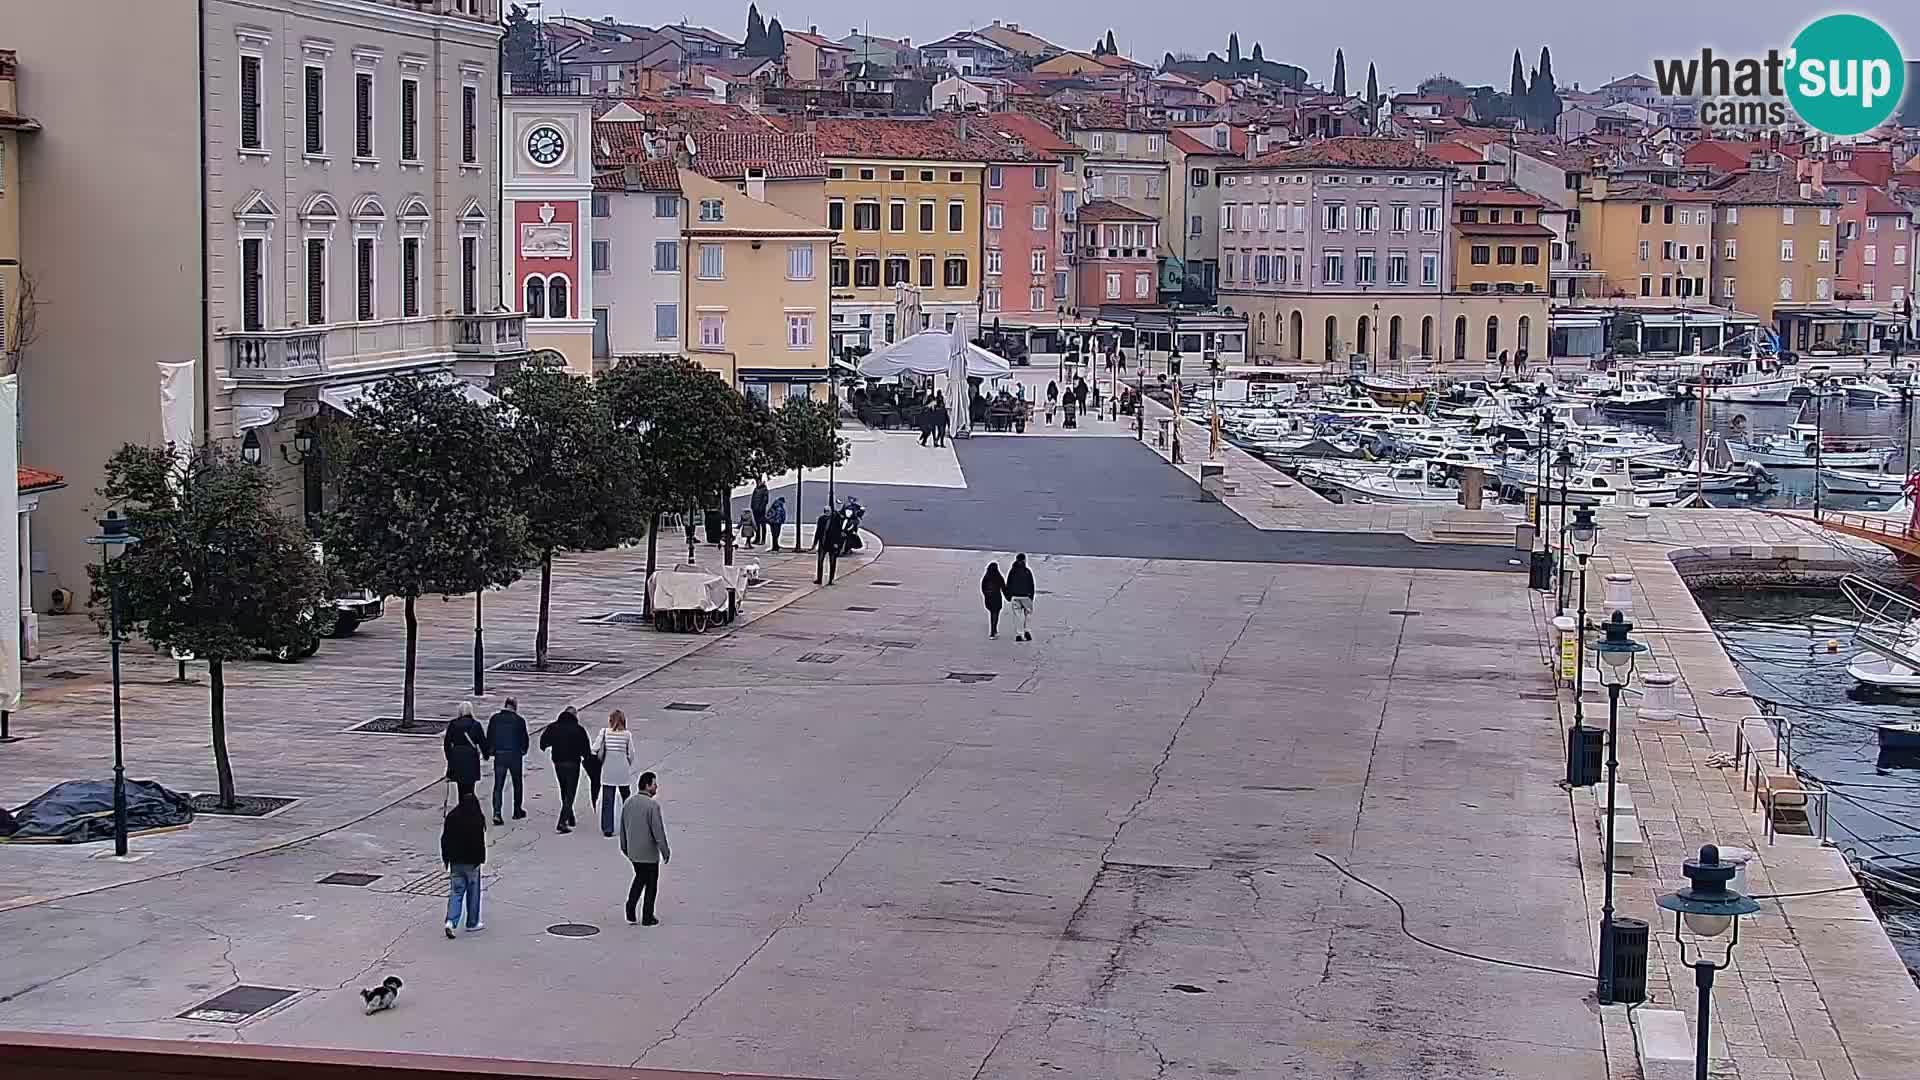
(1563,465)
(113,533)
(1709,908)
(1617,654)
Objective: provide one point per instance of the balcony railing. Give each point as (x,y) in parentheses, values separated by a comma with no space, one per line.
(276,355)
(499,333)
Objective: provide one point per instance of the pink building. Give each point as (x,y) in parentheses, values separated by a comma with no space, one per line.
(1030,134)
(1117,261)
(1876,239)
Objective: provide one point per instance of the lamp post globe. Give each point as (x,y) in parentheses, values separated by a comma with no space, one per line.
(115,533)
(1709,906)
(1618,651)
(1586,534)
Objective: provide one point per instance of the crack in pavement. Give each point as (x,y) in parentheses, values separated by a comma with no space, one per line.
(793,917)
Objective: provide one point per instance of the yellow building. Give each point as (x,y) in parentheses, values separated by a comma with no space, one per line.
(1499,242)
(1773,241)
(904,200)
(756,290)
(1649,243)
(12,126)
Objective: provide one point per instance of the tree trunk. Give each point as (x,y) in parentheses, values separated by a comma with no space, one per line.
(546,605)
(726,551)
(413,643)
(222,764)
(799,489)
(653,546)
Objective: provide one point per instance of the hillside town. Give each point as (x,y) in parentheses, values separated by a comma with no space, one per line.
(1107,558)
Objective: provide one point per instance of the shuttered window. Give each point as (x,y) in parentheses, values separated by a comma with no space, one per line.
(363,277)
(469,274)
(316,282)
(316,110)
(469,120)
(252,281)
(410,120)
(410,276)
(362,115)
(250,102)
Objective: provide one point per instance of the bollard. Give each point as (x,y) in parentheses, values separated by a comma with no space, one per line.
(1637,524)
(1565,635)
(1657,702)
(1620,593)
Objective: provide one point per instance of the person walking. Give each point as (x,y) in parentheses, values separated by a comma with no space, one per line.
(567,743)
(507,738)
(758,504)
(465,744)
(1053,400)
(941,420)
(614,747)
(993,589)
(926,423)
(777,519)
(828,535)
(1020,594)
(463,847)
(1080,393)
(643,840)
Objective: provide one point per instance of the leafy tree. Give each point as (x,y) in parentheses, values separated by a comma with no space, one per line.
(1233,48)
(776,43)
(1257,58)
(756,42)
(1339,73)
(429,498)
(522,46)
(218,571)
(1442,85)
(810,439)
(578,488)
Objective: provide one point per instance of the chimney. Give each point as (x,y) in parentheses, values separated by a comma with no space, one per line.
(964,126)
(1806,189)
(1253,141)
(1014,26)
(1819,176)
(814,30)
(813,118)
(756,183)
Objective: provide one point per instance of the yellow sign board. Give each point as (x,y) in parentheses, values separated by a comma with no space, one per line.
(1569,657)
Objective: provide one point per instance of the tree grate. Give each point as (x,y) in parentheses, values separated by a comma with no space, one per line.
(433,883)
(619,618)
(208,804)
(972,676)
(573,929)
(351,880)
(238,1005)
(819,657)
(418,727)
(556,669)
(688,706)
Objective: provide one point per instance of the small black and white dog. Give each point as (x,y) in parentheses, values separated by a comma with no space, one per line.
(383,996)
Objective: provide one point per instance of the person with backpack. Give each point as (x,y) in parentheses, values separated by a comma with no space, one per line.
(776,519)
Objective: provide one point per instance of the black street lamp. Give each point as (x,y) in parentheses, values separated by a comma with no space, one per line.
(1819,437)
(1540,573)
(1709,907)
(113,533)
(1586,537)
(1213,424)
(1617,654)
(1173,370)
(1563,464)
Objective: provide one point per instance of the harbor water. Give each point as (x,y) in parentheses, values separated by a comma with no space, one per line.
(1800,665)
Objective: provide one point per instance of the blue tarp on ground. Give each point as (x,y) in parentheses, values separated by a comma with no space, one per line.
(81,811)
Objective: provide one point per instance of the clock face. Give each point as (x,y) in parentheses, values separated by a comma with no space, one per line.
(545,145)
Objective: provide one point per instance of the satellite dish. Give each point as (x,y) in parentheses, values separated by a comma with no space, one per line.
(691,148)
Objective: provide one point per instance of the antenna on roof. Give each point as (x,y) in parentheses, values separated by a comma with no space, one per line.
(691,148)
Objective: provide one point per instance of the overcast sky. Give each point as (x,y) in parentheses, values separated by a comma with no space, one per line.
(1408,39)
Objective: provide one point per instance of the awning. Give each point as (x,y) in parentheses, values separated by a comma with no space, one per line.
(347,398)
(930,352)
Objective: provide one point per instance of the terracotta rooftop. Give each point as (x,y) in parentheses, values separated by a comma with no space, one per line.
(660,176)
(1879,202)
(891,139)
(1352,152)
(1456,153)
(32,479)
(727,155)
(1503,228)
(1032,131)
(817,41)
(1767,187)
(1111,116)
(1194,144)
(1108,210)
(1500,196)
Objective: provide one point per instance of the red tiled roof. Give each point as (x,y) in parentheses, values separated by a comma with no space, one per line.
(1879,202)
(1456,153)
(1503,228)
(649,176)
(1193,144)
(1353,152)
(817,41)
(32,479)
(1108,210)
(893,139)
(1766,187)
(1502,196)
(1111,116)
(726,155)
(618,143)
(1032,131)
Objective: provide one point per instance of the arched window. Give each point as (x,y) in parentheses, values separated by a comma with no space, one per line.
(536,297)
(1297,329)
(1526,329)
(1333,337)
(1260,331)
(1426,337)
(1460,338)
(1393,338)
(1360,336)
(1493,336)
(557,298)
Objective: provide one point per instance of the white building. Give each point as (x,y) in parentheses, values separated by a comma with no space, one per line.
(637,283)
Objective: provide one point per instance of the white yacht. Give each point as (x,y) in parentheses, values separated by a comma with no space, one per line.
(1871,390)
(1801,447)
(1409,482)
(1636,397)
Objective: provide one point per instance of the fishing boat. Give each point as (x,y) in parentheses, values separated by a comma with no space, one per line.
(1354,406)
(1887,625)
(1872,390)
(1636,397)
(1861,482)
(1591,487)
(1409,482)
(1747,382)
(1393,389)
(1802,447)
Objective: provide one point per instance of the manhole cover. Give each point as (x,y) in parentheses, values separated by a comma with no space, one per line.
(860,607)
(208,803)
(357,881)
(555,668)
(238,1004)
(1403,611)
(573,929)
(884,584)
(819,657)
(394,725)
(432,883)
(914,509)
(972,676)
(1189,988)
(688,706)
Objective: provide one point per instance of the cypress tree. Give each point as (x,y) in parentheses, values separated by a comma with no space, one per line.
(776,42)
(1233,48)
(1517,86)
(1339,73)
(1545,96)
(1112,49)
(756,42)
(1257,58)
(1373,89)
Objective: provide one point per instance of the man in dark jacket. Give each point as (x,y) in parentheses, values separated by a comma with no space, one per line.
(759,507)
(463,847)
(569,745)
(507,738)
(465,743)
(1020,594)
(827,538)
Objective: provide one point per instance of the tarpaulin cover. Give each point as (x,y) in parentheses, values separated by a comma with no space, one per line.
(689,590)
(81,811)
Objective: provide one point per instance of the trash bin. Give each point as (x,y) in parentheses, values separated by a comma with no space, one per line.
(714,526)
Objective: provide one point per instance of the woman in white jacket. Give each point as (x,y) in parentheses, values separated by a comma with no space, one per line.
(613,745)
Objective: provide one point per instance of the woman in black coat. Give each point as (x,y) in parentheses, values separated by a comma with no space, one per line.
(993,589)
(465,744)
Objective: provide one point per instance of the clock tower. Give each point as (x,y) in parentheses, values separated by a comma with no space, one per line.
(546,174)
